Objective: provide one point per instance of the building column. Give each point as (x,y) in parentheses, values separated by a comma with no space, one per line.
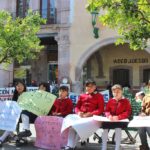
(63,13)
(63,53)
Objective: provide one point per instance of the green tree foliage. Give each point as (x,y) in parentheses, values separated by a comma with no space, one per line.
(18,37)
(131,18)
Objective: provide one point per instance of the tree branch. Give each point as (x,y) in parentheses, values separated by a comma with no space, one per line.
(3,59)
(7,55)
(143,17)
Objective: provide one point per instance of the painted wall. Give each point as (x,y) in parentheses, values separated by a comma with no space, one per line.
(81,34)
(83,45)
(8,5)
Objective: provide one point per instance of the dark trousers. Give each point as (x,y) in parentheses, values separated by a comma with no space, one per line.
(143,131)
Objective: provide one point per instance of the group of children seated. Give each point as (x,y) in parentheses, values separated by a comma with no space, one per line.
(89,103)
(61,107)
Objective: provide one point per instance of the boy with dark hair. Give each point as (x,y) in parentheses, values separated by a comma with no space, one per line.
(62,105)
(90,103)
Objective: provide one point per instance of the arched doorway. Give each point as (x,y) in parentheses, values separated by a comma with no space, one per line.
(117,64)
(86,55)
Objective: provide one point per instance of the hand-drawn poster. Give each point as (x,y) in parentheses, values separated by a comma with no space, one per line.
(37,102)
(48,133)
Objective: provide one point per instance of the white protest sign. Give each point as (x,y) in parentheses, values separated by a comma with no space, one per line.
(9,115)
(7,93)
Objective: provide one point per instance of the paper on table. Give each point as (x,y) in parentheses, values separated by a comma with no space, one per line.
(85,127)
(69,121)
(139,121)
(105,119)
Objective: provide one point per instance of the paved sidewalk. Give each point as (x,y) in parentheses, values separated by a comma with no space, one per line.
(88,146)
(93,145)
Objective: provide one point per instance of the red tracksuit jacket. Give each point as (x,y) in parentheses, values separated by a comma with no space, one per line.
(93,103)
(121,108)
(63,106)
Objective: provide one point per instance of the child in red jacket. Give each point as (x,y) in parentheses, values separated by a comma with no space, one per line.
(89,103)
(117,108)
(63,105)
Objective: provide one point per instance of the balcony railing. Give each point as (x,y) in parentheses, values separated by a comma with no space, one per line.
(49,14)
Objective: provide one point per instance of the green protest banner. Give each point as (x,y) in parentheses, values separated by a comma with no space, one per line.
(37,102)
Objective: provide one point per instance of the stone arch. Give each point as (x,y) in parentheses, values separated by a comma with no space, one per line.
(77,85)
(84,57)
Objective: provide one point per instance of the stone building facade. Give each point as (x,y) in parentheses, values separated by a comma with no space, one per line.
(70,45)
(54,36)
